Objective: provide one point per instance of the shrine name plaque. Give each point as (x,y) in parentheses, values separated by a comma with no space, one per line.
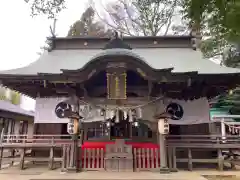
(118,157)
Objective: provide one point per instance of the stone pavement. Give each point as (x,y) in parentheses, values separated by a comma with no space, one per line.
(42,173)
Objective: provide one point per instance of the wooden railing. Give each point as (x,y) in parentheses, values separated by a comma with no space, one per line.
(188,149)
(92,159)
(146,159)
(22,148)
(35,139)
(203,149)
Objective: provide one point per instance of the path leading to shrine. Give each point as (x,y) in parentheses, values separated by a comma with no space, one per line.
(41,173)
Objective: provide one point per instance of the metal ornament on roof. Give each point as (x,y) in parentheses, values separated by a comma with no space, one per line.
(117,42)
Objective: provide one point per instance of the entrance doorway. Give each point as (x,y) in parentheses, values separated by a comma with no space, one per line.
(64,131)
(174,129)
(120,129)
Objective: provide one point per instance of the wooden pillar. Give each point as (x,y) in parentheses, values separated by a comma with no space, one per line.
(13,151)
(169,154)
(51,155)
(130,130)
(1,148)
(190,165)
(223,130)
(22,156)
(51,158)
(220,160)
(73,165)
(1,156)
(64,151)
(174,160)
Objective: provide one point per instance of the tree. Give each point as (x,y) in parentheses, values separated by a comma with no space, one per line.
(3,93)
(9,95)
(131,17)
(143,18)
(87,26)
(231,56)
(48,7)
(15,97)
(231,100)
(219,19)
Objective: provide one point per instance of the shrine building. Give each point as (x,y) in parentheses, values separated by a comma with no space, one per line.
(120,88)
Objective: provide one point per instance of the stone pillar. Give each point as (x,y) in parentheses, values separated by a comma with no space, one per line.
(163,154)
(163,129)
(73,165)
(74,151)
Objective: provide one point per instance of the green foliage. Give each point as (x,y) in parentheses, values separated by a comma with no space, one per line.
(218,20)
(221,16)
(3,94)
(47,7)
(133,17)
(15,97)
(232,56)
(232,100)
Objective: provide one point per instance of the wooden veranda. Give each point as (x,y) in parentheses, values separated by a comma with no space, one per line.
(181,149)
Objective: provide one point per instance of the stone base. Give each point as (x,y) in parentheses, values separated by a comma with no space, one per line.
(72,170)
(174,170)
(164,170)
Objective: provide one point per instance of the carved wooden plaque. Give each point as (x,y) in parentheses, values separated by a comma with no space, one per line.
(116,85)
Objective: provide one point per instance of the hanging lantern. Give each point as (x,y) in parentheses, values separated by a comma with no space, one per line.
(139,113)
(108,124)
(130,114)
(117,116)
(125,114)
(110,114)
(136,123)
(102,112)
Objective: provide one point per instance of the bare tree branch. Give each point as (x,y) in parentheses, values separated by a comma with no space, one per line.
(138,17)
(107,22)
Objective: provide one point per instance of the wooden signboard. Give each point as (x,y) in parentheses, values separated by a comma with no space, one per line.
(116,85)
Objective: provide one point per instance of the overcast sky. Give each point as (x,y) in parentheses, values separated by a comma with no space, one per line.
(22,36)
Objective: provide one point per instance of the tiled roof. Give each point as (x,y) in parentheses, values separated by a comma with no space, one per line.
(180,59)
(7,106)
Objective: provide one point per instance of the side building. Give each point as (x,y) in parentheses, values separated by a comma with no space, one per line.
(15,120)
